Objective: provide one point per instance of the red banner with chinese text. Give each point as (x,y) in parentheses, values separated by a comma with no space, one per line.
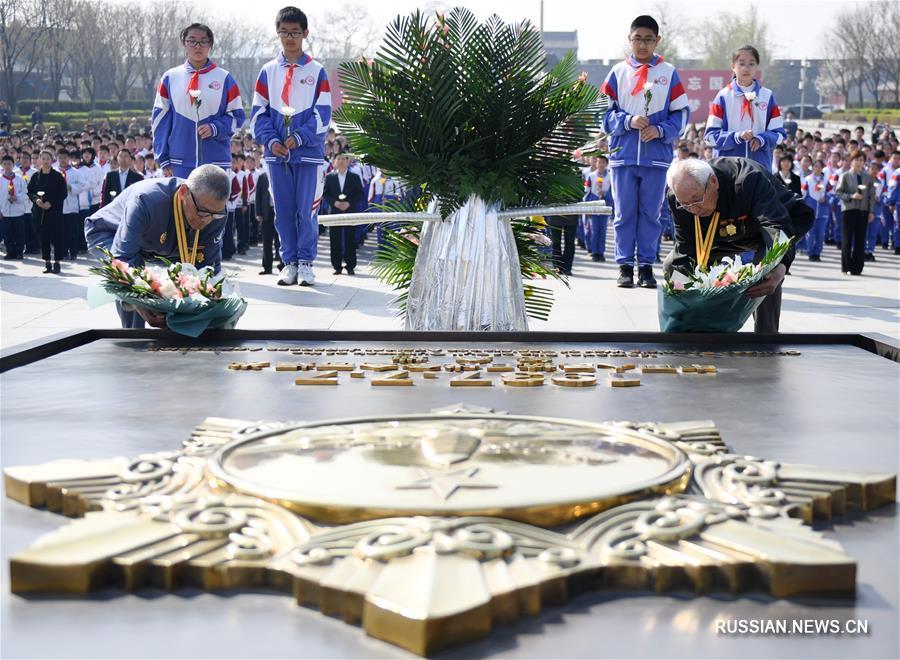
(701,88)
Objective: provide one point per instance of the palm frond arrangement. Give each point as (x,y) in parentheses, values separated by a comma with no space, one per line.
(458,109)
(466,108)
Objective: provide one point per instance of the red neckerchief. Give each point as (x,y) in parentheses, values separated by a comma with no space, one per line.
(194,83)
(641,77)
(288,79)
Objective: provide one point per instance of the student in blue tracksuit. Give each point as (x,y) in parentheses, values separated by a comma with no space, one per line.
(744,119)
(600,189)
(814,194)
(874,227)
(290,116)
(647,114)
(197,109)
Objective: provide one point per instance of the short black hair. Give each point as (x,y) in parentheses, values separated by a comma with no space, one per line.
(860,128)
(785,158)
(202,28)
(879,153)
(645,21)
(7,157)
(291,15)
(89,150)
(125,151)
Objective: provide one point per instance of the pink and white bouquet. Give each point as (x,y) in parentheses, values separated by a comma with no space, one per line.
(714,299)
(192,299)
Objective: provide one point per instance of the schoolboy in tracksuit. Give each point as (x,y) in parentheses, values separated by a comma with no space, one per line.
(294,142)
(197,109)
(644,136)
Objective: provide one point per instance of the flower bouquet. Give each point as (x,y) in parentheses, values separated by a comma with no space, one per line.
(714,299)
(192,299)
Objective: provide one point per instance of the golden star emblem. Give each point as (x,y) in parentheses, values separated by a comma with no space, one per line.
(444,484)
(731,230)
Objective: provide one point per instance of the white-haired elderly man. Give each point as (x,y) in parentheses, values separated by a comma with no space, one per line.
(139,226)
(750,210)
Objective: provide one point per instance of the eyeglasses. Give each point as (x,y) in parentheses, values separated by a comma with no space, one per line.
(691,205)
(215,215)
(190,43)
(645,41)
(284,34)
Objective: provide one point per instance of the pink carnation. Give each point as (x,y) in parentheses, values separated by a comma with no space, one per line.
(188,283)
(728,279)
(678,286)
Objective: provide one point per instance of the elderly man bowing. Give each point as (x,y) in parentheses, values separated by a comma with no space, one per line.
(175,219)
(745,209)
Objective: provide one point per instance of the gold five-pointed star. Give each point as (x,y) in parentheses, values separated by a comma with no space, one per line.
(444,484)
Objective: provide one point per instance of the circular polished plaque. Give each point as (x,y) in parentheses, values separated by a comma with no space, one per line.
(539,470)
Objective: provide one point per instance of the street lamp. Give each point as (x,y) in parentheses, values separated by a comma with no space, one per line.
(804,65)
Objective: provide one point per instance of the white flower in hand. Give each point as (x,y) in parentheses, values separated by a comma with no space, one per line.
(750,96)
(288,112)
(648,86)
(195,93)
(112,193)
(40,193)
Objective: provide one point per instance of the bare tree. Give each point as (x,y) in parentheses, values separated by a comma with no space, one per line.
(161,24)
(121,42)
(865,36)
(675,30)
(92,65)
(21,32)
(242,48)
(346,33)
(722,34)
(62,42)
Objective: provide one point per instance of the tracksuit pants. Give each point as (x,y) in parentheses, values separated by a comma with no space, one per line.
(294,190)
(816,236)
(637,194)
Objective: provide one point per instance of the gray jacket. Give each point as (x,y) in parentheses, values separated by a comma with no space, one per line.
(848,184)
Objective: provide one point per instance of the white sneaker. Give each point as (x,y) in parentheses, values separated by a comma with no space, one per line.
(288,275)
(305,275)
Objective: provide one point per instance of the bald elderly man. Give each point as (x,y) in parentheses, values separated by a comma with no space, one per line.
(753,209)
(138,227)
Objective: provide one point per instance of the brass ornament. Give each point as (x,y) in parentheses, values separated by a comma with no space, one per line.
(425,580)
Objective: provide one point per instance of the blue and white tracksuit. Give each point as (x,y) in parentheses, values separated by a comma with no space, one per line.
(892,198)
(638,169)
(729,116)
(600,188)
(297,183)
(886,221)
(873,229)
(176,117)
(834,226)
(813,188)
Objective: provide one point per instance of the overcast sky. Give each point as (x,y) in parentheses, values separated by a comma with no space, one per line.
(796,25)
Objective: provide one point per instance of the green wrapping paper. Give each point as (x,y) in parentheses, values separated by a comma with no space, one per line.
(724,309)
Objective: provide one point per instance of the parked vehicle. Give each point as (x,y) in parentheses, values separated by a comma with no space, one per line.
(809,111)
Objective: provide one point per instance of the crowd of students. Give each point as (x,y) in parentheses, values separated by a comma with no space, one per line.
(280,157)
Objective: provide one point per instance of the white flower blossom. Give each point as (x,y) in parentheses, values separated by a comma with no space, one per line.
(288,111)
(750,96)
(648,86)
(195,93)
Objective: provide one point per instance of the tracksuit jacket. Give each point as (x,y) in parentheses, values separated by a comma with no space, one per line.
(175,117)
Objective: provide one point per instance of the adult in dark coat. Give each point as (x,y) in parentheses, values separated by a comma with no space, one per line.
(343,193)
(752,210)
(112,184)
(47,190)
